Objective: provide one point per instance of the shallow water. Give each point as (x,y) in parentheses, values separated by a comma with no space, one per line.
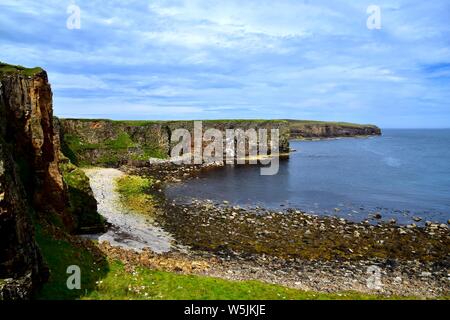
(402,174)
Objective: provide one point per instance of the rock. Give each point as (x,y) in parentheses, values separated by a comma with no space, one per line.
(377,215)
(425,274)
(417,219)
(402,231)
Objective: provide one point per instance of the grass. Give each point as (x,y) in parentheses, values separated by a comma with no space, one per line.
(146,284)
(133,193)
(72,147)
(150,153)
(12,69)
(293,123)
(59,254)
(103,279)
(123,141)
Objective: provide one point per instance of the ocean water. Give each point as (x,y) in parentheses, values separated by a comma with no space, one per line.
(402,174)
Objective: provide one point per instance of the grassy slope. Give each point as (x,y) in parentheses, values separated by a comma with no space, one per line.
(12,69)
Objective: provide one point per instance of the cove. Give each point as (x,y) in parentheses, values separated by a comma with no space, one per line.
(400,175)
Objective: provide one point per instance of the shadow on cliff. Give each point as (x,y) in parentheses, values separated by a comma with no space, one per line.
(60,251)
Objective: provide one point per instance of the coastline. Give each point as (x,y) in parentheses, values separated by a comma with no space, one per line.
(298,250)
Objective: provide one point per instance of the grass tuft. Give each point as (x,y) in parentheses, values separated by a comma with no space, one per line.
(134,194)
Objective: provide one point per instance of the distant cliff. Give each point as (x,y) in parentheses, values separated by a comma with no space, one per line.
(304,129)
(111,143)
(32,186)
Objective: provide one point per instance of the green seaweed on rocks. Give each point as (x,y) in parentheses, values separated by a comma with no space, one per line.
(83,205)
(134,194)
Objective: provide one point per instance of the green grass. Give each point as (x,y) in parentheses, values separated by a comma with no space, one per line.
(12,69)
(59,255)
(81,200)
(335,123)
(150,153)
(133,193)
(72,147)
(146,284)
(123,141)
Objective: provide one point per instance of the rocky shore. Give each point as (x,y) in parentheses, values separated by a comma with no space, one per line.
(293,248)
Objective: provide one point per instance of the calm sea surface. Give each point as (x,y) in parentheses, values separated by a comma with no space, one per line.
(402,174)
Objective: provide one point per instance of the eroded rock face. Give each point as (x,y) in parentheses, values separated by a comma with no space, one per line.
(299,130)
(27,103)
(113,143)
(21,267)
(30,180)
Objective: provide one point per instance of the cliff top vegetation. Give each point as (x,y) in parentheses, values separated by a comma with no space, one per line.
(12,69)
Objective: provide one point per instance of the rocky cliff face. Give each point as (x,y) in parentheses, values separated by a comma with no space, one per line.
(24,151)
(31,184)
(27,102)
(316,129)
(111,143)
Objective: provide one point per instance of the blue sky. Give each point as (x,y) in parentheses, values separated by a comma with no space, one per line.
(238,59)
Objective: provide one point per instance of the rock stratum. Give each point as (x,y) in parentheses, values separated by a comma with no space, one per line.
(112,143)
(33,186)
(304,129)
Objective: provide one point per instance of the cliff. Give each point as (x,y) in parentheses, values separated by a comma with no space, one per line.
(111,143)
(304,129)
(31,184)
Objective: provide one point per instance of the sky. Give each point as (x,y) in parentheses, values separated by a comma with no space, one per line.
(210,59)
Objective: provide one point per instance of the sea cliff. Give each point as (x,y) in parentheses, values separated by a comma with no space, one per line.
(32,185)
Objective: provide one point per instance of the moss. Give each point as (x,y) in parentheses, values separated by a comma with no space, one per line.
(148,153)
(13,69)
(123,141)
(83,205)
(72,147)
(134,195)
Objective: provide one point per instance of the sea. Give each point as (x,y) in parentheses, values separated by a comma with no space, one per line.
(404,174)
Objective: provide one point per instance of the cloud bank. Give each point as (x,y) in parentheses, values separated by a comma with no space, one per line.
(238,59)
